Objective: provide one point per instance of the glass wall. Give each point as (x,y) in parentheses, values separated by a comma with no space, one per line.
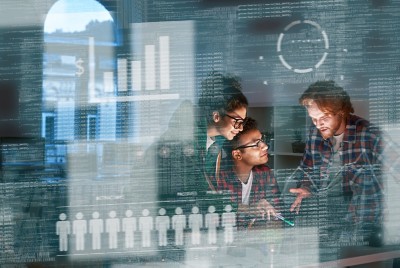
(102,147)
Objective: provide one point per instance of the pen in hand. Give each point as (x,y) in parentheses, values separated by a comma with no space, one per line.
(279,216)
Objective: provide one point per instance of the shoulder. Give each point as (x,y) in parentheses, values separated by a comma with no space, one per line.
(264,175)
(355,120)
(262,170)
(227,176)
(363,127)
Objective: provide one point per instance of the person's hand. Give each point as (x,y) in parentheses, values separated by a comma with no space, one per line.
(265,208)
(301,193)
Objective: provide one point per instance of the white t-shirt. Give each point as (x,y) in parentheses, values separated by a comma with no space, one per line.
(246,189)
(337,141)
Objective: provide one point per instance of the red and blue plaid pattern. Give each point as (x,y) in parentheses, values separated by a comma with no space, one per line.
(361,155)
(264,186)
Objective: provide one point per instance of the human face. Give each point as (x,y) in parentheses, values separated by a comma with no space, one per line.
(328,124)
(252,155)
(226,125)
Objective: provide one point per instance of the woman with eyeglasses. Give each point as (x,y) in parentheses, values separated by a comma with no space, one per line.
(222,110)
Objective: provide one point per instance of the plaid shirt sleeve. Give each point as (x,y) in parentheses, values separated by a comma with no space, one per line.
(265,186)
(308,173)
(227,182)
(362,159)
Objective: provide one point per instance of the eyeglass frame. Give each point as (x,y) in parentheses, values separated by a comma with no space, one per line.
(257,143)
(236,124)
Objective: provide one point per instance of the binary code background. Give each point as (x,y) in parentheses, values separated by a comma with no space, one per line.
(97,118)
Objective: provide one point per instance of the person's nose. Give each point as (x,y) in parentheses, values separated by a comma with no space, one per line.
(319,123)
(264,146)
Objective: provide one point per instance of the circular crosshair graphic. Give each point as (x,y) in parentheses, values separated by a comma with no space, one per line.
(305,42)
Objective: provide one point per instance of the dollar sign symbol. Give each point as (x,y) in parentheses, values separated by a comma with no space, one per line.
(80,70)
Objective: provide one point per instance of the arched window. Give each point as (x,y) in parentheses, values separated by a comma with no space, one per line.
(79,55)
(79,40)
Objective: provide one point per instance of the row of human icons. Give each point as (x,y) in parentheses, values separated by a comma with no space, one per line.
(145,225)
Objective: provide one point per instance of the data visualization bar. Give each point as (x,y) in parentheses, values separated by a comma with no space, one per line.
(150,67)
(164,62)
(122,66)
(108,82)
(136,76)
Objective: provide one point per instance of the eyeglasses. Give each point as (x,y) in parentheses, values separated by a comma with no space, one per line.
(258,144)
(239,122)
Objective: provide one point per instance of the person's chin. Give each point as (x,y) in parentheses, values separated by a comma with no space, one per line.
(231,136)
(264,159)
(325,137)
(326,134)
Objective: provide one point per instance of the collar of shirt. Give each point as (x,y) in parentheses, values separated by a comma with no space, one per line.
(209,142)
(351,132)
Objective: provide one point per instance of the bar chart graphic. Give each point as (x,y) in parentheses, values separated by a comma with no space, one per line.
(153,68)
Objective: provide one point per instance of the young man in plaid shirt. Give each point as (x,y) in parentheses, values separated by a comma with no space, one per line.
(250,184)
(341,163)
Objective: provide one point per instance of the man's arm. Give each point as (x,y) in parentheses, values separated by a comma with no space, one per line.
(264,197)
(304,180)
(301,193)
(366,204)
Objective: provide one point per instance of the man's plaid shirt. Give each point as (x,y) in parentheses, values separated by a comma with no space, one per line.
(361,155)
(264,186)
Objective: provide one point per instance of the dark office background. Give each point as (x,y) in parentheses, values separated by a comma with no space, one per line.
(98,114)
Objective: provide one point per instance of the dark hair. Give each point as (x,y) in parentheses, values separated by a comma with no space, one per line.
(250,124)
(329,97)
(220,94)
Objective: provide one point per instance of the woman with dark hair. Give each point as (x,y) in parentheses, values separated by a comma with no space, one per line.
(221,114)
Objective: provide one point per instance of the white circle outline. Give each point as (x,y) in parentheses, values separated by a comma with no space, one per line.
(280,38)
